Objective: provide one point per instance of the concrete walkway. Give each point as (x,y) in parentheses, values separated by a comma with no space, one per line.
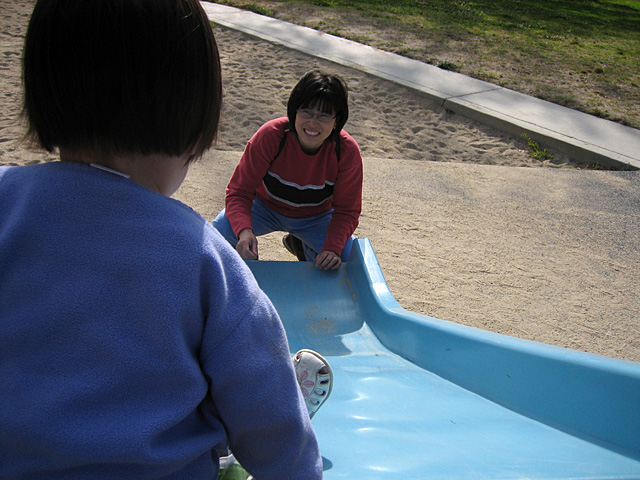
(583,137)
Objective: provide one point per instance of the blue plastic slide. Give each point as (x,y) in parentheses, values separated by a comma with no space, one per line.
(415,397)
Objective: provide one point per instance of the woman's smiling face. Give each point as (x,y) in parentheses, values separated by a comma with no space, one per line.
(313,127)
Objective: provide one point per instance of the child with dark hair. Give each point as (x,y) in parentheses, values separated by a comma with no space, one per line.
(134,342)
(300,174)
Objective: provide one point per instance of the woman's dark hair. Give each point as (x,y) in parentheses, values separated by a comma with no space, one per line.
(122,76)
(326,92)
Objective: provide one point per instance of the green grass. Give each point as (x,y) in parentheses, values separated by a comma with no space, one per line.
(584,54)
(535,151)
(253,7)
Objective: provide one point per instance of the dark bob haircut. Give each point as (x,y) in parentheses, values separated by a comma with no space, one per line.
(328,93)
(121,77)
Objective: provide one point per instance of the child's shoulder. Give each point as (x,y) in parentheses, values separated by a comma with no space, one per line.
(20,173)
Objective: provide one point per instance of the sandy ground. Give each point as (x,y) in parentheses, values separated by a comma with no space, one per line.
(466,226)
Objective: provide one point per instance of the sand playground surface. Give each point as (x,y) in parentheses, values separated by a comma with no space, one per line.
(467,227)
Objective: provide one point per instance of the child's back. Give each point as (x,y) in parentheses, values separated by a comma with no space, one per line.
(121,308)
(134,342)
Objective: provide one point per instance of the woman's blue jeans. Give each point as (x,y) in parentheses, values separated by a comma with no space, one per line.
(312,231)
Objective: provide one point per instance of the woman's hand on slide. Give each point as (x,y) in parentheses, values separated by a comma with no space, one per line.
(247,245)
(328,260)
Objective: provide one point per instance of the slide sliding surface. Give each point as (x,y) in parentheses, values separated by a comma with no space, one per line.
(415,397)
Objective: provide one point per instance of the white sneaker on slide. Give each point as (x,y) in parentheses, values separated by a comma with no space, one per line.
(315,378)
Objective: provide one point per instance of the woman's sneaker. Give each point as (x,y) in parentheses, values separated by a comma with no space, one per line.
(294,246)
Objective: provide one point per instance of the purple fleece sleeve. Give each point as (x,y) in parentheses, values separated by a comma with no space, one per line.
(253,385)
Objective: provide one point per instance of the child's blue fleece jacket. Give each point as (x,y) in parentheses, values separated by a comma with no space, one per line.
(134,342)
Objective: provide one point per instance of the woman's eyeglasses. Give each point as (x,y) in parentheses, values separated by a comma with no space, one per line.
(321,117)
